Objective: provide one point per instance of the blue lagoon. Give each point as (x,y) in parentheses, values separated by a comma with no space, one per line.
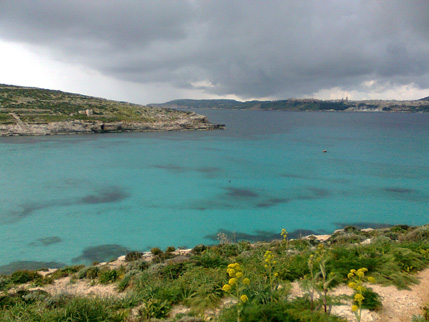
(72,199)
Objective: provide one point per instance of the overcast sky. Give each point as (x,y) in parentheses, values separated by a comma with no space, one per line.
(152,51)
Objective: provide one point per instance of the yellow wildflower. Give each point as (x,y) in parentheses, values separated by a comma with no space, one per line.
(359,297)
(276,274)
(360,288)
(352,285)
(232,281)
(244,298)
(371,279)
(354,308)
(360,273)
(226,288)
(239,275)
(246,281)
(231,272)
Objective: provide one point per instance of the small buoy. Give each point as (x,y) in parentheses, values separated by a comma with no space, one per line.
(324,151)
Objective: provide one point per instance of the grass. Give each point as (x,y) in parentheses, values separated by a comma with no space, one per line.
(151,290)
(35,105)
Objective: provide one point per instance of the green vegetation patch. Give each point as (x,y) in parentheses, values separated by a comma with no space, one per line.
(254,280)
(34,105)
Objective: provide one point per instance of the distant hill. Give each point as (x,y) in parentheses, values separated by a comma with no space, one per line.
(35,111)
(304,105)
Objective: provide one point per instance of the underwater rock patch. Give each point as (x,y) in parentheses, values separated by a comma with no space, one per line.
(106,195)
(111,195)
(101,253)
(238,193)
(46,241)
(271,202)
(29,265)
(399,190)
(170,167)
(208,170)
(259,235)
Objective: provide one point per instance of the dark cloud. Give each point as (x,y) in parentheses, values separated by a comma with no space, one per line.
(247,48)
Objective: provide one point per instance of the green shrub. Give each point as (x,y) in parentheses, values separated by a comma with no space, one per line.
(299,244)
(210,259)
(90,272)
(408,260)
(418,234)
(156,251)
(372,300)
(85,309)
(133,256)
(154,308)
(199,249)
(58,301)
(66,271)
(276,312)
(399,228)
(173,271)
(24,276)
(170,249)
(107,276)
(295,267)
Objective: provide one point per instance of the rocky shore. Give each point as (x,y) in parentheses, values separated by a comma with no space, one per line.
(187,122)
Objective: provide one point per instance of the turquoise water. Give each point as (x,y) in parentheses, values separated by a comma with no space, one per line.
(60,196)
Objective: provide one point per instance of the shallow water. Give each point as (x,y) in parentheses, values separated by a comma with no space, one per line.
(64,198)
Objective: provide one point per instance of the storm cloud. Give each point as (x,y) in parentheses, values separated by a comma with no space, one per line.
(248,49)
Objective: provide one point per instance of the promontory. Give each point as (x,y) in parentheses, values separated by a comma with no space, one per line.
(35,111)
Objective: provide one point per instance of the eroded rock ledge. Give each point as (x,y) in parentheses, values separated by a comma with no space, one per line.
(189,122)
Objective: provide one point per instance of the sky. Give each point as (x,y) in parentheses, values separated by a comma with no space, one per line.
(153,51)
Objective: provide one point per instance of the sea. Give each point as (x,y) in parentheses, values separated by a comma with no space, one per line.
(77,199)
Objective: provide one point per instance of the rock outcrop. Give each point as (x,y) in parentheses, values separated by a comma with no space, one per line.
(192,121)
(36,111)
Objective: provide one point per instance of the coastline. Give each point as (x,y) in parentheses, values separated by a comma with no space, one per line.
(363,238)
(188,122)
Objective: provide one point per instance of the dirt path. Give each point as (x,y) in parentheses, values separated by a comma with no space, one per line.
(398,305)
(21,124)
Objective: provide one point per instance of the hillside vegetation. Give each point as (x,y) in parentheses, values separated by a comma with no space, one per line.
(24,111)
(305,105)
(283,280)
